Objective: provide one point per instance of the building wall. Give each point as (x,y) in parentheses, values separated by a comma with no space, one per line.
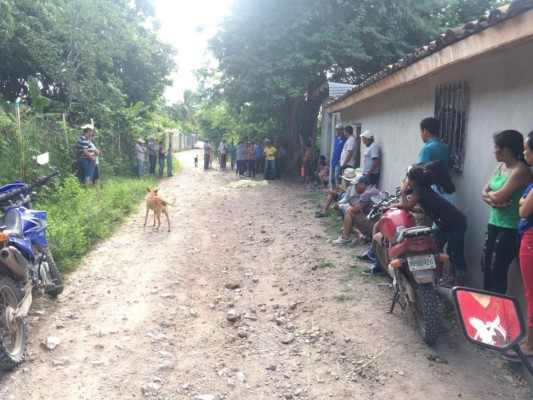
(501,97)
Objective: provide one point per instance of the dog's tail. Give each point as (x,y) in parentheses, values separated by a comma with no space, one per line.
(170,203)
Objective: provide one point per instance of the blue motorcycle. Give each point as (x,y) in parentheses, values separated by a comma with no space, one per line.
(26,266)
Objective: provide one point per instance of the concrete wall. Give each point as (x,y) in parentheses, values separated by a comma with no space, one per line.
(501,97)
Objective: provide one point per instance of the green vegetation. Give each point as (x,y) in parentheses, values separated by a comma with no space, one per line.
(325,263)
(71,62)
(66,63)
(274,57)
(79,218)
(343,297)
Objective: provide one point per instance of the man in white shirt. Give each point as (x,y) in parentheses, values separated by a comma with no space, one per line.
(222,151)
(349,150)
(371,158)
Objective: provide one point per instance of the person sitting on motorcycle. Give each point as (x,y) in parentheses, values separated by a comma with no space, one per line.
(356,214)
(445,188)
(448,218)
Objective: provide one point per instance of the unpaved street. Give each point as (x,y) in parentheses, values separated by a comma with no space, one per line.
(147,314)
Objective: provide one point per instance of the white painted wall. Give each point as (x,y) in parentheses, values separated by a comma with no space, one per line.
(501,97)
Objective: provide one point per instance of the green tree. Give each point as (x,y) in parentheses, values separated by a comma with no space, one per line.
(273,56)
(94,60)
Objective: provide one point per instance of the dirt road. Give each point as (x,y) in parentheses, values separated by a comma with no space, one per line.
(148,314)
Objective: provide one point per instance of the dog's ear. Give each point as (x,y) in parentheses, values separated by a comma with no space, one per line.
(148,190)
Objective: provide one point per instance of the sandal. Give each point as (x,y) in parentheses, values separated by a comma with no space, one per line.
(320,214)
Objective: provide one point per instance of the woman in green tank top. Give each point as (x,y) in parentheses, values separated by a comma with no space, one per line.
(502,193)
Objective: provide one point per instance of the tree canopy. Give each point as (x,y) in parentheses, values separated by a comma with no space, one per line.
(274,56)
(73,61)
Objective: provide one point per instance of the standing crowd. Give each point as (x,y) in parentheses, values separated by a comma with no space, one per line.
(247,158)
(157,156)
(428,188)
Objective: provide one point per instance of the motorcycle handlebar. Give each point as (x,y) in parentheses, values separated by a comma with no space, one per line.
(27,188)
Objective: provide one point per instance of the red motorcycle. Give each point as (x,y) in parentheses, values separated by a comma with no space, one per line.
(408,253)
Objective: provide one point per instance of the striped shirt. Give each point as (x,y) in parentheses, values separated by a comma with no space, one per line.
(83,143)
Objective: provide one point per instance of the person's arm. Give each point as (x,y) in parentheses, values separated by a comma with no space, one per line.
(407,203)
(356,208)
(89,155)
(348,157)
(526,205)
(519,177)
(375,164)
(486,189)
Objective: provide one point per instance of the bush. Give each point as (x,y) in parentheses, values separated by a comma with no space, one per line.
(79,218)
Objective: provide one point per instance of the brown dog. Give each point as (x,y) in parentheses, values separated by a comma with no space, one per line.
(158,205)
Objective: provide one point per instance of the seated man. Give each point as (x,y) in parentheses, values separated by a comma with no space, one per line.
(355,215)
(342,194)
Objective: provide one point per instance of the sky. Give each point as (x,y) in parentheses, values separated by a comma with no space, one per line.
(188,25)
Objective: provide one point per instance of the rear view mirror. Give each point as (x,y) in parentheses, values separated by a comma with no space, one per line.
(43,159)
(490,320)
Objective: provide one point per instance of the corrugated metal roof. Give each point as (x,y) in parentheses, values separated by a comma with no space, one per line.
(338,89)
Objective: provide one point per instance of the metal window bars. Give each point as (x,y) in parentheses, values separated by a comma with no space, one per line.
(451,109)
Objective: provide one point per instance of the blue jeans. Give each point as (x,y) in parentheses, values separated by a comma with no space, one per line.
(336,173)
(270,169)
(140,168)
(161,166)
(152,158)
(86,170)
(456,247)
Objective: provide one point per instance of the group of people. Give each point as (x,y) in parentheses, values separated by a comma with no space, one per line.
(156,154)
(428,185)
(88,157)
(247,158)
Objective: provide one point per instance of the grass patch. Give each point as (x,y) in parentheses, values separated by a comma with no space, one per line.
(343,297)
(325,263)
(78,218)
(350,274)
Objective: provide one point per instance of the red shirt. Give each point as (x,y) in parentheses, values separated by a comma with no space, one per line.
(496,324)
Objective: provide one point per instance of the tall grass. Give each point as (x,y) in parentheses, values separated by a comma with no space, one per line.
(78,218)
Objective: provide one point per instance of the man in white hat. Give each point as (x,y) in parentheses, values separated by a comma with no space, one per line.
(338,145)
(355,215)
(371,158)
(340,199)
(140,154)
(86,157)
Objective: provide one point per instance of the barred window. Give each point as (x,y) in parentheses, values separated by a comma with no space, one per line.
(451,106)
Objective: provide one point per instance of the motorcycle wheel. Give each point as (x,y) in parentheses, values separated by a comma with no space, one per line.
(54,274)
(382,255)
(426,312)
(13,334)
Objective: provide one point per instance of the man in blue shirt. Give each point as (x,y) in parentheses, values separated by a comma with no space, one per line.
(338,145)
(434,148)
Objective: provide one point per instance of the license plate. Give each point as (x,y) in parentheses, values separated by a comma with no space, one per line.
(426,261)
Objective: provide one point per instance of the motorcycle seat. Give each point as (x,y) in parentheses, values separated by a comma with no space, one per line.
(409,233)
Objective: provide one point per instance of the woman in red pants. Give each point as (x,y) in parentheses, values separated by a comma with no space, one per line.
(525,235)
